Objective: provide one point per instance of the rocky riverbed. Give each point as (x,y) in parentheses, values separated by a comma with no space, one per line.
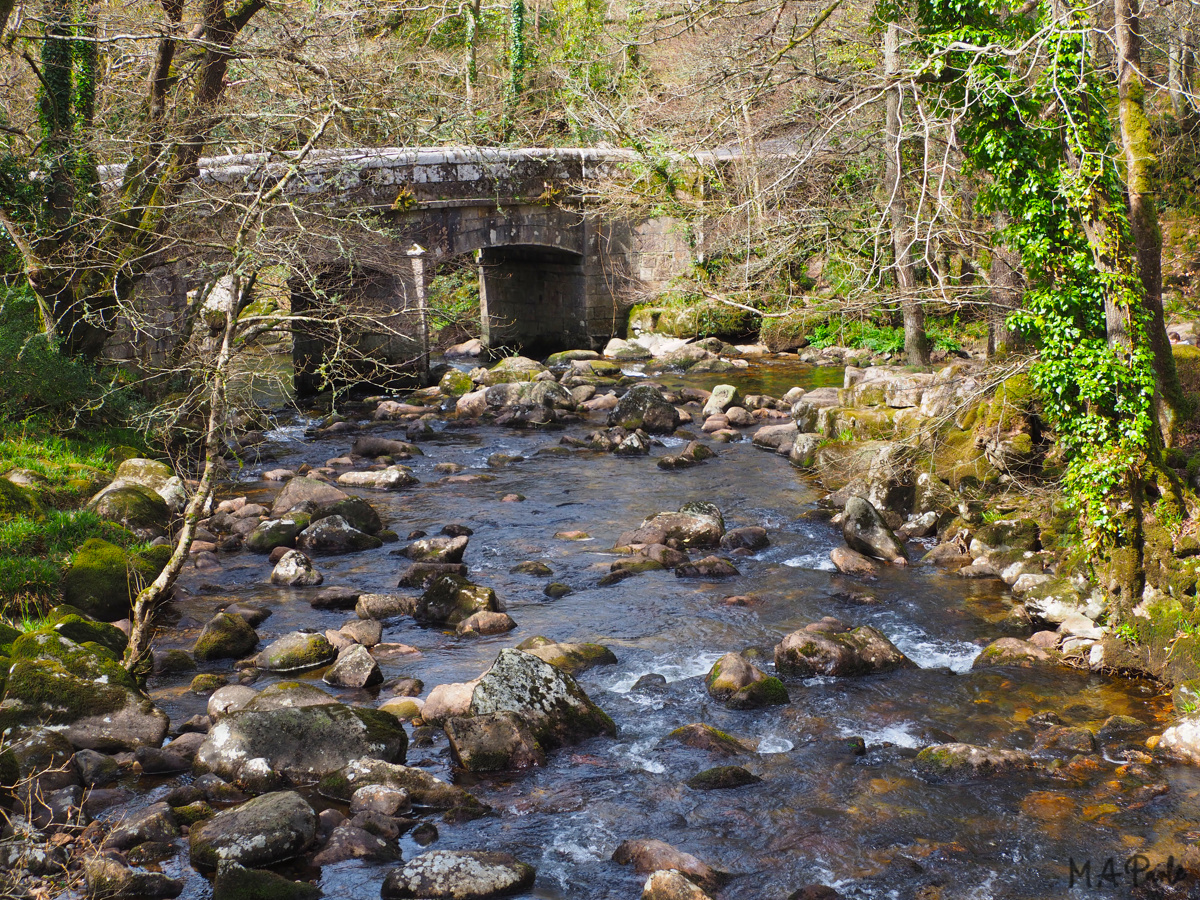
(700,626)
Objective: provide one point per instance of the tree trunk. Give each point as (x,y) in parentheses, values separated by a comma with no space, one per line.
(1140,164)
(916,344)
(472,47)
(1004,295)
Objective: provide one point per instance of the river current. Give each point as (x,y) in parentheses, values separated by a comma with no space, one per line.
(865,824)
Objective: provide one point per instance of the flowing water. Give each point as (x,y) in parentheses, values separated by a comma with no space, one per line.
(865,824)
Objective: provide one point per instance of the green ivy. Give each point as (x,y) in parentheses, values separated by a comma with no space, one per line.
(1039,134)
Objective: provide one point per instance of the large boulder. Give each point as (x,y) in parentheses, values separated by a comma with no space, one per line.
(830,647)
(301,743)
(294,569)
(102,579)
(306,490)
(451,599)
(496,742)
(645,408)
(556,708)
(225,636)
(260,832)
(274,533)
(459,875)
(1181,741)
(81,691)
(864,530)
(736,682)
(695,525)
(156,476)
(333,534)
(354,668)
(722,397)
(138,508)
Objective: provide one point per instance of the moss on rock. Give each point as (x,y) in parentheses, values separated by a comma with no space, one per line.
(17,501)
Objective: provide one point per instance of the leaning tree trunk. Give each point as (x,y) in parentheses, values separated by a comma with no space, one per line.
(1140,164)
(916,344)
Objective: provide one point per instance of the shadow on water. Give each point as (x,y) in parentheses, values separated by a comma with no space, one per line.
(864,823)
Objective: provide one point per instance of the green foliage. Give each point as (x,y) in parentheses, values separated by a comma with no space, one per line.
(865,335)
(453,299)
(37,378)
(1045,142)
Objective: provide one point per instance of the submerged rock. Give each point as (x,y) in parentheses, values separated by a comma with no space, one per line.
(700,736)
(458,875)
(953,762)
(722,778)
(830,647)
(1014,652)
(556,708)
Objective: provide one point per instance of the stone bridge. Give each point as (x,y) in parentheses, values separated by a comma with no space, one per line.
(554,271)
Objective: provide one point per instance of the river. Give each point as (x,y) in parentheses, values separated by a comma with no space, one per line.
(865,824)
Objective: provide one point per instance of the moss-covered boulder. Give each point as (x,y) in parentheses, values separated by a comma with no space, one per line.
(830,647)
(260,832)
(102,580)
(82,691)
(959,762)
(355,510)
(455,383)
(83,631)
(301,743)
(274,533)
(138,508)
(17,501)
(739,684)
(645,408)
(701,736)
(570,657)
(451,599)
(8,634)
(296,651)
(512,369)
(722,778)
(225,636)
(236,882)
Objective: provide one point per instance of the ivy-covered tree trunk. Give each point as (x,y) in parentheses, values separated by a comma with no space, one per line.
(916,344)
(517,49)
(1140,179)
